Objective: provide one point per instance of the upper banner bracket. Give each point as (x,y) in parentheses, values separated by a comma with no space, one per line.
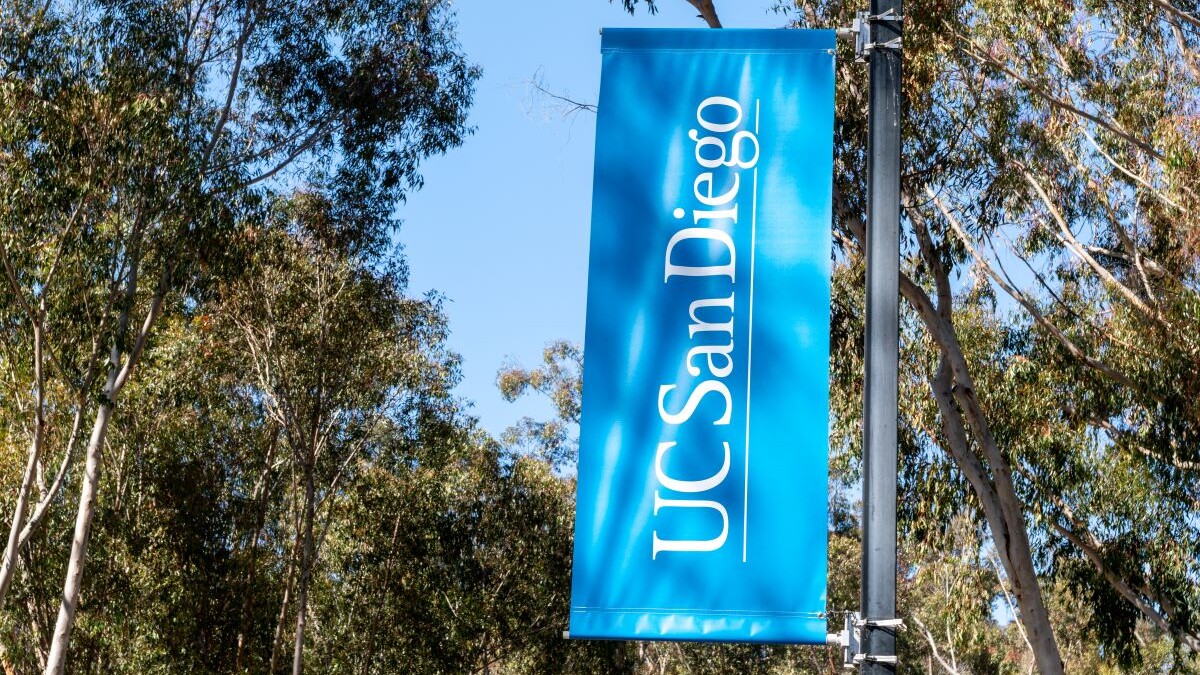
(860,32)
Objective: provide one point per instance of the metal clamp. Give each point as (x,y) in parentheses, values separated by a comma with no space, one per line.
(860,659)
(894,43)
(860,32)
(889,15)
(853,31)
(851,657)
(850,639)
(879,623)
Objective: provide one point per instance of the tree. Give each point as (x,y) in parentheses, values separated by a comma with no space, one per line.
(219,502)
(708,12)
(137,134)
(559,379)
(1017,118)
(330,342)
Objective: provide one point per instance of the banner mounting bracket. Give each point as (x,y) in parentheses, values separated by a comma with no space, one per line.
(860,31)
(850,640)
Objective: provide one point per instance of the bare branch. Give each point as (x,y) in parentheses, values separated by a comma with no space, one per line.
(1134,255)
(1012,607)
(303,147)
(940,278)
(43,504)
(1125,170)
(1189,55)
(62,240)
(1152,267)
(1118,434)
(15,286)
(156,305)
(1068,238)
(234,77)
(571,105)
(1092,553)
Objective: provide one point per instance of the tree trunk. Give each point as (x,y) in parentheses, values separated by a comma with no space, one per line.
(1014,545)
(252,573)
(277,641)
(1010,537)
(83,525)
(707,12)
(992,484)
(117,377)
(8,566)
(306,564)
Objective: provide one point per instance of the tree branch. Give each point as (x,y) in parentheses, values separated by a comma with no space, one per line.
(1042,93)
(933,646)
(1176,12)
(240,51)
(707,12)
(1024,300)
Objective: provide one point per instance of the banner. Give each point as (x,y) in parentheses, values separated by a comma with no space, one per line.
(702,494)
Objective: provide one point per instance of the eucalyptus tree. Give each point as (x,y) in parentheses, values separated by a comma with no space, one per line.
(183,580)
(212,538)
(339,355)
(99,191)
(1056,142)
(1096,179)
(137,138)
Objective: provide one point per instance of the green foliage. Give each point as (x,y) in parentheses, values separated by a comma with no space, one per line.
(630,5)
(150,154)
(419,565)
(1044,157)
(559,379)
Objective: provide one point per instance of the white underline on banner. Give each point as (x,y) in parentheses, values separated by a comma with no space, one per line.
(750,342)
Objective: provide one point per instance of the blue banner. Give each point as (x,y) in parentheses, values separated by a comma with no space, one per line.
(703,460)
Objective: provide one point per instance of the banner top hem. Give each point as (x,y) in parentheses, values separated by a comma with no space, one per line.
(737,40)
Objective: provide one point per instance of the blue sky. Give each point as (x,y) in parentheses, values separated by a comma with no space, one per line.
(501,226)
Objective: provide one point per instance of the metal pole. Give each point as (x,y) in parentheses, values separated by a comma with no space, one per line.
(882,339)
